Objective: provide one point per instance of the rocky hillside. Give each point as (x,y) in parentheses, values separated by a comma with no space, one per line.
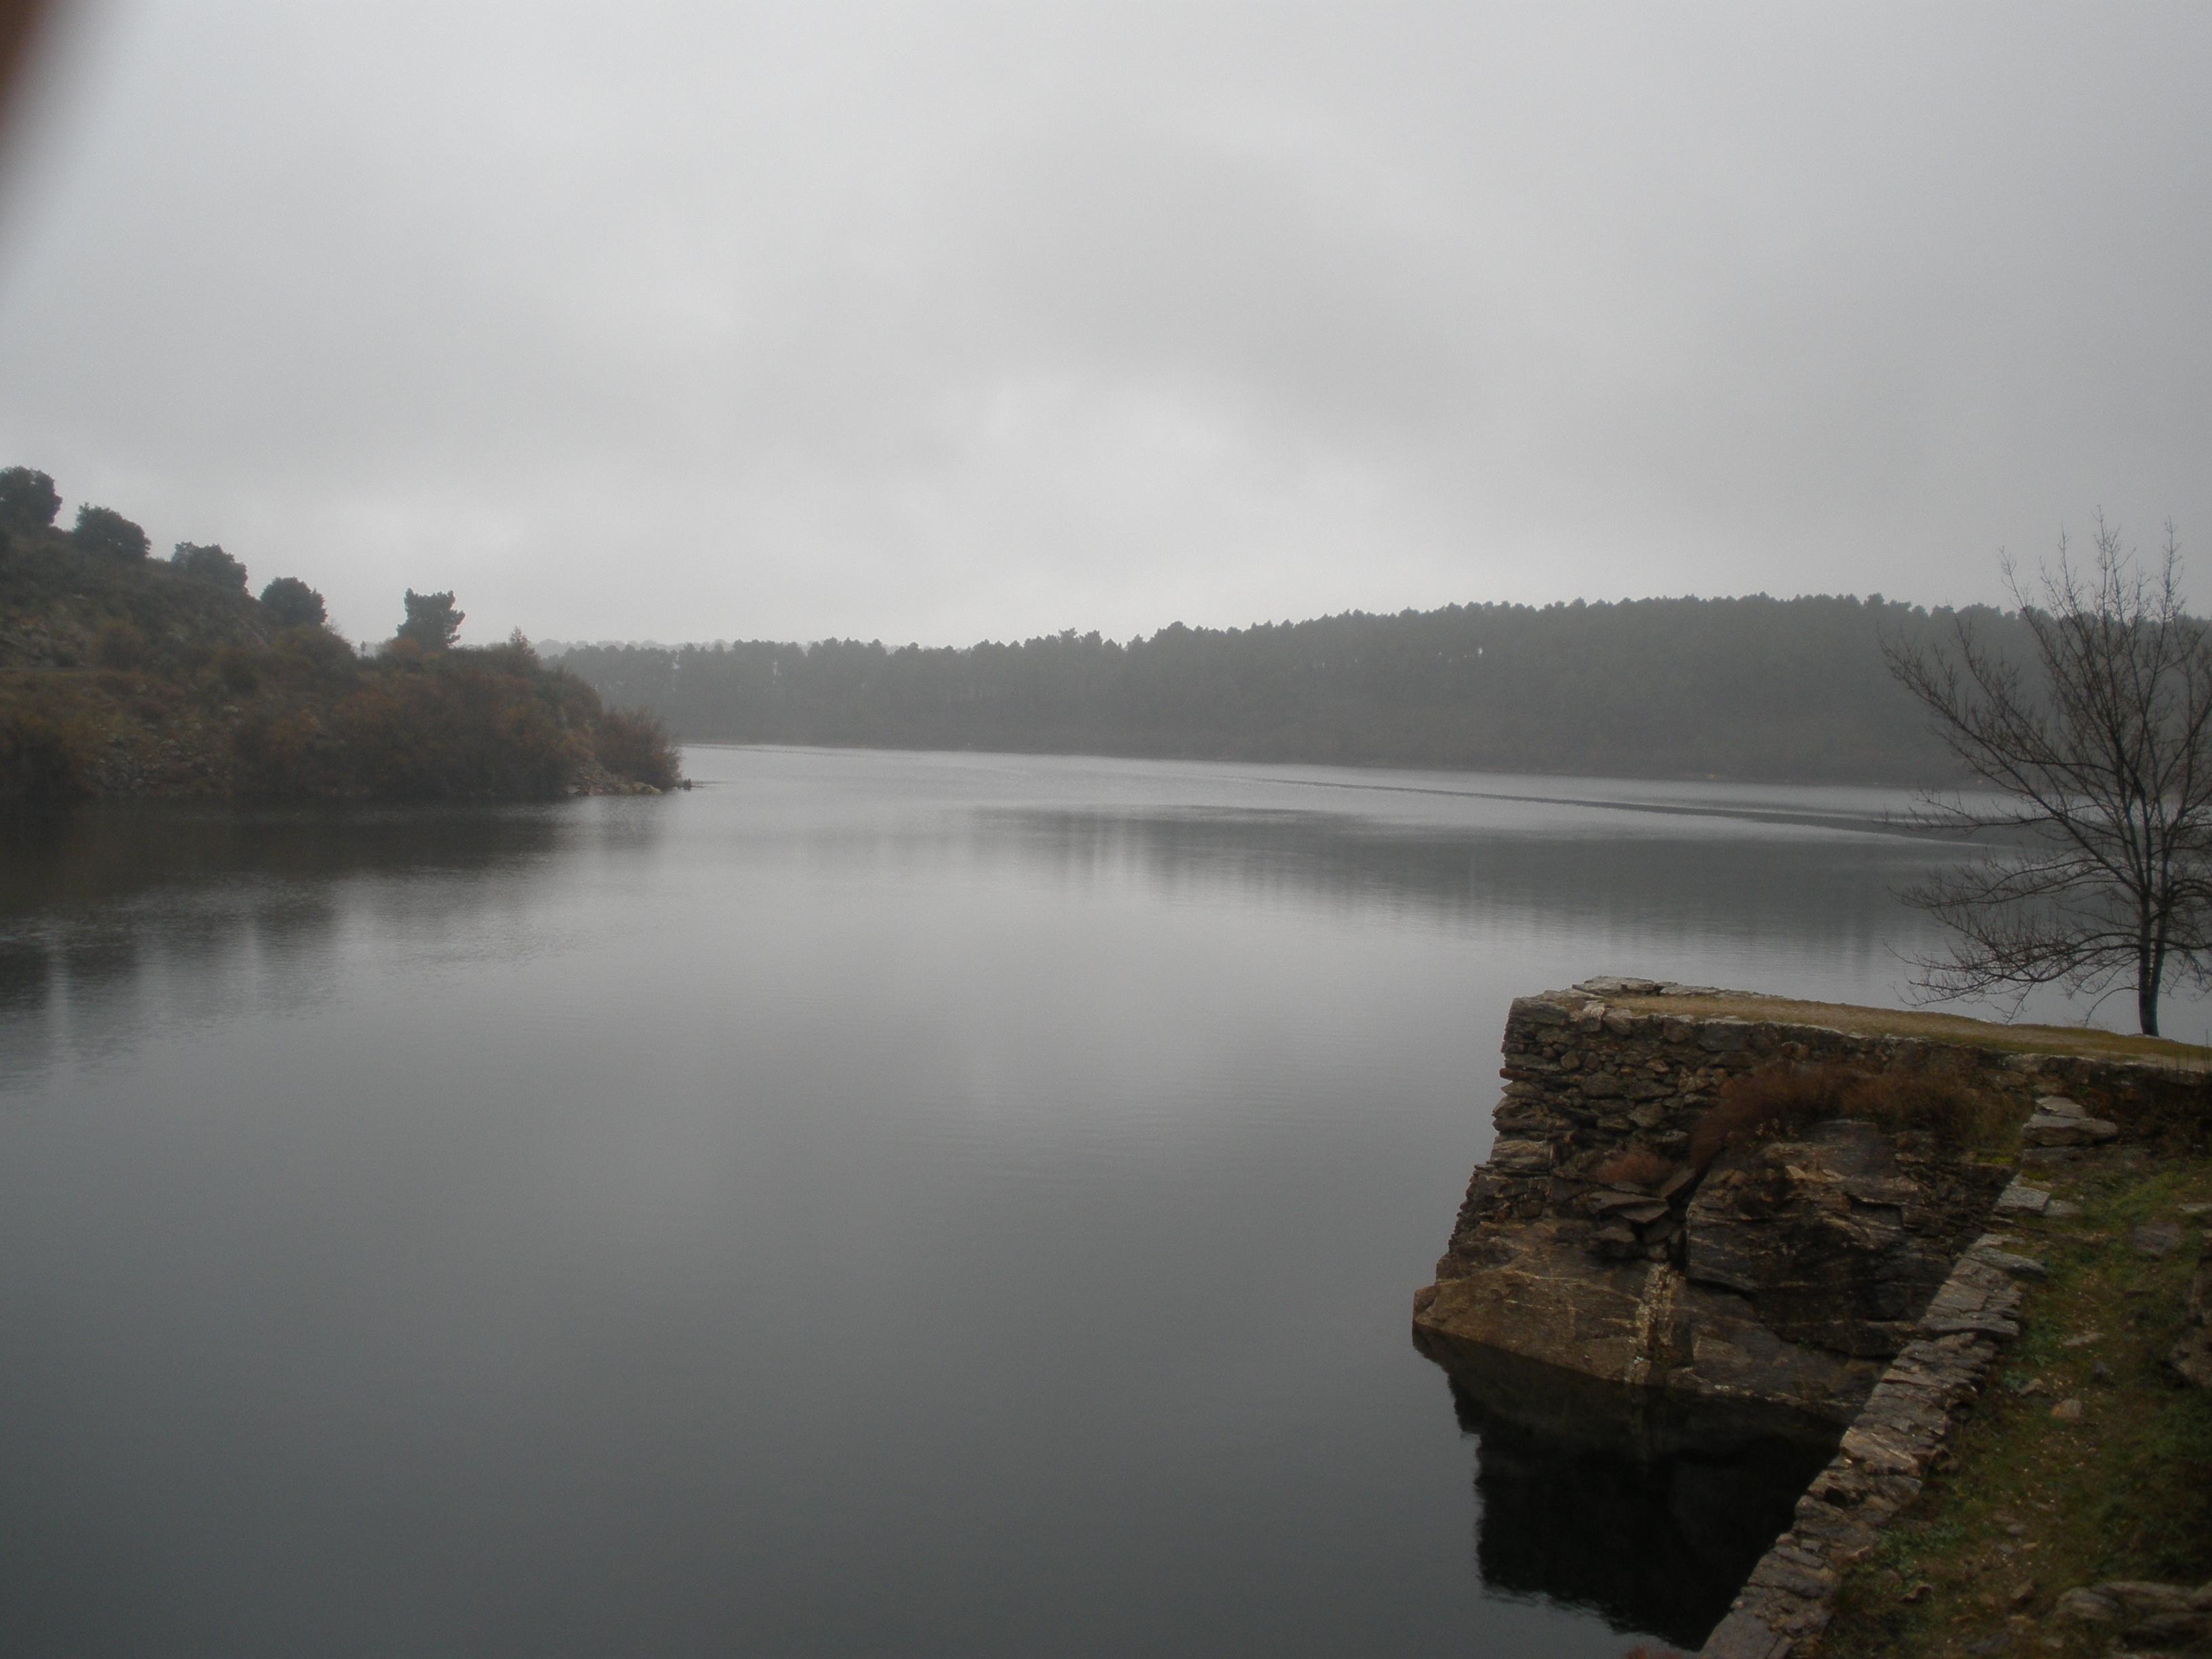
(122,675)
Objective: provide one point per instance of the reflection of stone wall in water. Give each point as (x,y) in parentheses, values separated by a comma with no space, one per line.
(1789,1272)
(1651,1512)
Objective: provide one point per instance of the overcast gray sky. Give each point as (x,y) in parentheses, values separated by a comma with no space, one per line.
(954,321)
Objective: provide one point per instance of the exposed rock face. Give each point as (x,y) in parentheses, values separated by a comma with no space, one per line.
(2059,1121)
(1882,1458)
(1833,1244)
(2170,1615)
(1790,1272)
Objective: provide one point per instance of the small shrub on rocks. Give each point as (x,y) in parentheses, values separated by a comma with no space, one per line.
(309,655)
(118,644)
(1763,1104)
(43,757)
(236,668)
(281,752)
(1958,1116)
(635,744)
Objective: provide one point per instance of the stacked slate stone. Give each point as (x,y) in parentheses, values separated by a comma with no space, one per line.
(1884,1456)
(1787,1273)
(1841,1269)
(2057,1122)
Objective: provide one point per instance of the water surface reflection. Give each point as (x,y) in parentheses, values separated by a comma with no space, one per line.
(1648,1511)
(221,908)
(1473,872)
(872,1204)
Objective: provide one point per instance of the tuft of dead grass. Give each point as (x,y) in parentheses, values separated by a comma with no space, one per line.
(1781,1097)
(1959,1117)
(1764,1105)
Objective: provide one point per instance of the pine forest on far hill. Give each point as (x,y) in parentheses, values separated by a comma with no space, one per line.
(1784,690)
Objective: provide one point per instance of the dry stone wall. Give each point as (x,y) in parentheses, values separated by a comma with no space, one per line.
(1884,1457)
(1791,1273)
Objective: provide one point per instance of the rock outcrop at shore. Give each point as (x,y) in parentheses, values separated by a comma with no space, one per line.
(1789,1271)
(132,677)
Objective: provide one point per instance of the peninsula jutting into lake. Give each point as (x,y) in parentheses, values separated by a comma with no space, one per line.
(122,675)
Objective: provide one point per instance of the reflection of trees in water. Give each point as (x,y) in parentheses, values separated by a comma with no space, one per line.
(124,851)
(26,975)
(27,993)
(93,903)
(1650,1512)
(1831,889)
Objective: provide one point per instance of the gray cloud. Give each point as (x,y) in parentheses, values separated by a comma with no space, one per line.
(692,321)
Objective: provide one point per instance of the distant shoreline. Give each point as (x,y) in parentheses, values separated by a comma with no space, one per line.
(1739,691)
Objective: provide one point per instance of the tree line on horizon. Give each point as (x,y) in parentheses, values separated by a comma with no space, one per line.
(1755,687)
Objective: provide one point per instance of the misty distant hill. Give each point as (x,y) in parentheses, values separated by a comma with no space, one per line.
(1777,689)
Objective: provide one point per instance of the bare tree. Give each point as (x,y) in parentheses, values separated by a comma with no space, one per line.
(2098,754)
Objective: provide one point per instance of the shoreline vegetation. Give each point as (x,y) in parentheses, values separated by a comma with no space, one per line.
(2088,1463)
(1752,690)
(121,675)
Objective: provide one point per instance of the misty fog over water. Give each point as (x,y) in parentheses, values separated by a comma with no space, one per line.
(1178,538)
(873,1203)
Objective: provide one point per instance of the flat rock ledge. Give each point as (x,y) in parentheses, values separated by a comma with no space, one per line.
(2169,1615)
(1885,1455)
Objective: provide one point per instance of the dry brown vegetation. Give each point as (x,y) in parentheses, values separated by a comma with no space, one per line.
(1780,1097)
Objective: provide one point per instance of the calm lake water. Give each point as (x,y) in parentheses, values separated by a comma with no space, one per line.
(872,1204)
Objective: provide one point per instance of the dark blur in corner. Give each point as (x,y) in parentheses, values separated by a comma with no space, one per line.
(19,26)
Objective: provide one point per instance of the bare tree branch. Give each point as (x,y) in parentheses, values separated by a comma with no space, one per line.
(2098,754)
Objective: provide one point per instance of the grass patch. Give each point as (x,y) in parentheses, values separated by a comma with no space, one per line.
(2025,1507)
